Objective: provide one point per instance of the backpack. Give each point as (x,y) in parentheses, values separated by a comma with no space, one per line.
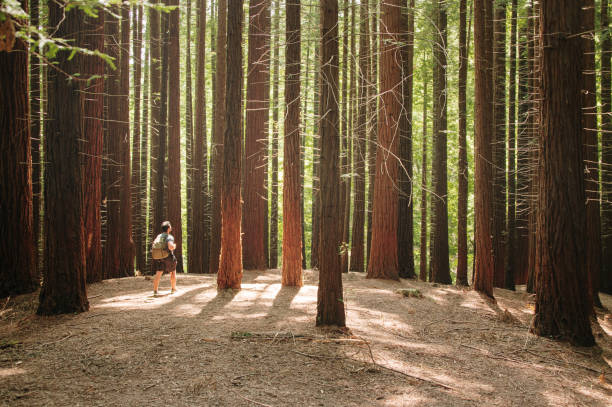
(159,248)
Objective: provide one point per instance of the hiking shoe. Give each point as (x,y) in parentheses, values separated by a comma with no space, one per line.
(155,294)
(173,291)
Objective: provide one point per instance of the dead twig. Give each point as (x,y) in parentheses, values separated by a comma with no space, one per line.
(320,357)
(254,402)
(59,340)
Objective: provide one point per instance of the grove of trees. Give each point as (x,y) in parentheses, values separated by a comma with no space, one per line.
(458,142)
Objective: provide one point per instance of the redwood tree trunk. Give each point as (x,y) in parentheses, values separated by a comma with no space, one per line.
(36,135)
(316,169)
(483,199)
(274,144)
(606,150)
(63,289)
(383,255)
(292,222)
(423,246)
(258,105)
(330,303)
(405,226)
(93,131)
(17,264)
(439,261)
(499,144)
(138,193)
(359,146)
(218,137)
(200,241)
(562,307)
(462,248)
(591,149)
(373,119)
(230,260)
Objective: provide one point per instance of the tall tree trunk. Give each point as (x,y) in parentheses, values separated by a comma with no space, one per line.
(330,303)
(145,198)
(316,168)
(484,126)
(258,106)
(499,143)
(18,264)
(344,121)
(200,241)
(562,306)
(230,260)
(274,144)
(156,125)
(522,162)
(126,243)
(137,149)
(92,90)
(292,222)
(424,220)
(174,135)
(63,289)
(373,119)
(383,254)
(359,146)
(462,248)
(218,137)
(439,261)
(511,236)
(405,226)
(591,149)
(189,134)
(35,135)
(606,149)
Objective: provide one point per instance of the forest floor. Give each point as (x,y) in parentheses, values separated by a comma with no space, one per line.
(260,347)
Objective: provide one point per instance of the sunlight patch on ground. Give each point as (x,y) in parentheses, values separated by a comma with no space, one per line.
(11,371)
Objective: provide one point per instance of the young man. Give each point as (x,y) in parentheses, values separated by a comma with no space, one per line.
(167,264)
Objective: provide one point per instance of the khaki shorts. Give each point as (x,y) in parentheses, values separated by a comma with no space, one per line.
(167,265)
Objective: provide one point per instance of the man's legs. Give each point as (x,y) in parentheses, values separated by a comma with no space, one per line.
(173,280)
(156,281)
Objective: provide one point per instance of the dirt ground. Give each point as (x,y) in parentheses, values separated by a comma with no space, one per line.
(260,347)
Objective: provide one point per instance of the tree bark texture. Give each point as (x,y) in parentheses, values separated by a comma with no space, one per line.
(405,225)
(274,144)
(439,261)
(92,37)
(359,146)
(483,194)
(330,302)
(138,191)
(36,135)
(292,222)
(258,106)
(463,180)
(562,307)
(373,119)
(218,137)
(200,239)
(63,289)
(383,255)
(18,262)
(423,243)
(230,260)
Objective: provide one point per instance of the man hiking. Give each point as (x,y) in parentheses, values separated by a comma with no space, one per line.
(164,261)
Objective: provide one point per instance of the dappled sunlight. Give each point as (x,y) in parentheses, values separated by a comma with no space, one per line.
(11,371)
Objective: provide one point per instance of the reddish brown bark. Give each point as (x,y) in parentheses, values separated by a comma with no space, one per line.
(274,144)
(138,158)
(189,136)
(200,241)
(230,260)
(17,264)
(499,144)
(63,289)
(359,146)
(126,244)
(344,122)
(383,254)
(373,119)
(35,135)
(258,105)
(316,169)
(174,135)
(218,137)
(483,199)
(562,307)
(92,38)
(591,149)
(510,266)
(606,149)
(463,175)
(440,267)
(405,224)
(292,223)
(330,303)
(423,243)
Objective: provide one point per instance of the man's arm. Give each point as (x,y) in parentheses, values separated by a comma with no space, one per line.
(171,244)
